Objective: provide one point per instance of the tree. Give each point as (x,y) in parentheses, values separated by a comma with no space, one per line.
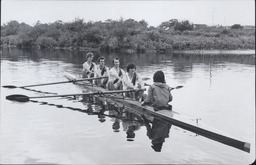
(153,35)
(173,22)
(168,24)
(183,25)
(46,42)
(143,23)
(93,35)
(237,26)
(11,28)
(76,26)
(120,31)
(38,30)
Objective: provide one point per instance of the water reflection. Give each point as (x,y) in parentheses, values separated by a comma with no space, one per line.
(30,160)
(157,132)
(157,129)
(130,133)
(180,66)
(132,123)
(116,125)
(78,57)
(215,102)
(120,116)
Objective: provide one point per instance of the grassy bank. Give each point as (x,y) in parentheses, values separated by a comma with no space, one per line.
(127,35)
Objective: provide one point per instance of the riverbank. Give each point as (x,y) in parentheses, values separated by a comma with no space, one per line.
(128,36)
(214,52)
(130,51)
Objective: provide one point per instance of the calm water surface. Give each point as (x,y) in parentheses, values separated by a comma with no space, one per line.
(219,89)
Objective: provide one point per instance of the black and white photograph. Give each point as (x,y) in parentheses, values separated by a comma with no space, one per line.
(127,82)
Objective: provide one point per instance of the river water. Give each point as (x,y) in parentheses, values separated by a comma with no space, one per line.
(218,89)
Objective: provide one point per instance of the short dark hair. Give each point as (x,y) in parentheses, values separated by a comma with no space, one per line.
(101,58)
(130,66)
(116,58)
(89,54)
(159,76)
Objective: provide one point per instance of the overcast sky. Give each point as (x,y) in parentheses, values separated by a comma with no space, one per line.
(210,12)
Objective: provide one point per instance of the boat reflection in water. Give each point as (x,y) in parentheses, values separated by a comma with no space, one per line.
(132,123)
(157,129)
(157,132)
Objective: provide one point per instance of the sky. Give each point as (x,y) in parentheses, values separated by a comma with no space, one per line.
(154,12)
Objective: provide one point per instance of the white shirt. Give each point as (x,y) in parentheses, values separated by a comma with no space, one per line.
(114,74)
(98,71)
(86,67)
(138,81)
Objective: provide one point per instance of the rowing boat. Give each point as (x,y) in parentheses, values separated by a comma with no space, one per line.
(175,118)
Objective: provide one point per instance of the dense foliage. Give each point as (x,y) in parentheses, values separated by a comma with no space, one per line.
(131,35)
(236,26)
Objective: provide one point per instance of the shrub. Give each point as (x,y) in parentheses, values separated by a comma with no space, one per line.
(11,40)
(184,25)
(46,42)
(26,44)
(236,26)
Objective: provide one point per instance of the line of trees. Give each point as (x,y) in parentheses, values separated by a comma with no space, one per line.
(114,35)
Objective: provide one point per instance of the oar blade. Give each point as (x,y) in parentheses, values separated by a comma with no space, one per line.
(9,86)
(178,87)
(17,97)
(145,78)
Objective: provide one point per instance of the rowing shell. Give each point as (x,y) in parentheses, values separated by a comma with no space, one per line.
(173,117)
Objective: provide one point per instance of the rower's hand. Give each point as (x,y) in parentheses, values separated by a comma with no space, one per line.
(143,103)
(170,88)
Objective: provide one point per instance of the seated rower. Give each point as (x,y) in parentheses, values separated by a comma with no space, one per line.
(102,71)
(116,75)
(88,66)
(159,94)
(133,82)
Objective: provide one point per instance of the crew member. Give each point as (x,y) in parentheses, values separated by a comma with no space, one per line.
(116,76)
(88,66)
(102,71)
(159,94)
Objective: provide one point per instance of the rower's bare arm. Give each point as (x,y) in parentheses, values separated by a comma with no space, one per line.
(140,83)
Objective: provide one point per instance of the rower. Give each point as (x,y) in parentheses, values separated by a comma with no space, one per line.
(102,71)
(159,94)
(133,82)
(116,76)
(88,66)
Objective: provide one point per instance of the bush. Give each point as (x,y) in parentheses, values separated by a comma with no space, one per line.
(225,31)
(26,44)
(11,40)
(129,34)
(184,25)
(237,26)
(46,42)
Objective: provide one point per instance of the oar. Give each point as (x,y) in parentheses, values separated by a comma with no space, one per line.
(70,81)
(145,78)
(24,98)
(177,87)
